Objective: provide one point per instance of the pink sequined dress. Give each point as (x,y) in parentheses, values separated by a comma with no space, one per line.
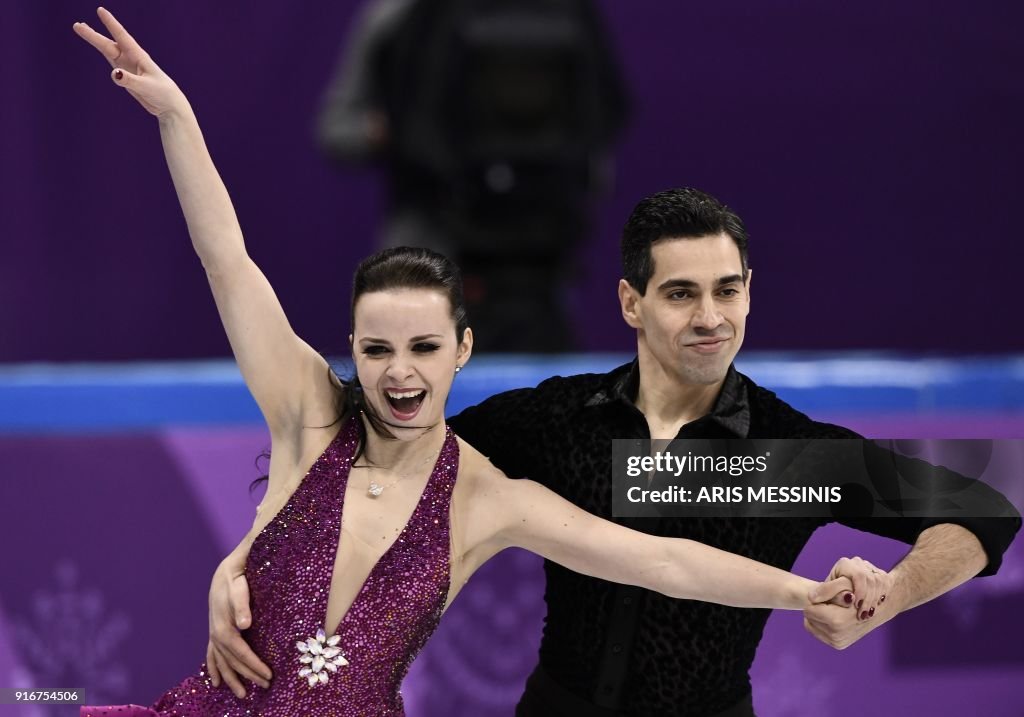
(357,671)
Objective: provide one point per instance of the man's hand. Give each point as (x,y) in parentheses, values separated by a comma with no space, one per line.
(228,655)
(840,627)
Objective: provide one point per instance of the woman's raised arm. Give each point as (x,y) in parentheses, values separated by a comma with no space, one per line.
(286,376)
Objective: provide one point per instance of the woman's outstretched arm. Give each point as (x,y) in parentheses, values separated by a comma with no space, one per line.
(287,378)
(525,514)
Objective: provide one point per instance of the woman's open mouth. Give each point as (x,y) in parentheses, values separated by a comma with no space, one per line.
(405,404)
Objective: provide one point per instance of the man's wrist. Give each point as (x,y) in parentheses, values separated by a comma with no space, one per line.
(900,595)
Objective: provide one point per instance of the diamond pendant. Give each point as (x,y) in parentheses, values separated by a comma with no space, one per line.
(375,489)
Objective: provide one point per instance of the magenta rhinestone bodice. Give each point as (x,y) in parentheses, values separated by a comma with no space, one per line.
(289,572)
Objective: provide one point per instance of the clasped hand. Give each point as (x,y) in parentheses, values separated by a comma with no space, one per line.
(841,622)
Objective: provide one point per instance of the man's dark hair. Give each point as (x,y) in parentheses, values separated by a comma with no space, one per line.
(684,213)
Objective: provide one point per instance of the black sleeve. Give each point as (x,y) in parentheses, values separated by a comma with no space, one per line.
(983,510)
(994,534)
(506,428)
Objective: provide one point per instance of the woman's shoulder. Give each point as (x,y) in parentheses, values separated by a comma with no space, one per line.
(474,466)
(479,480)
(481,500)
(485,489)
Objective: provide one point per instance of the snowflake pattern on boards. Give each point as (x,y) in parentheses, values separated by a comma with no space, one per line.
(88,652)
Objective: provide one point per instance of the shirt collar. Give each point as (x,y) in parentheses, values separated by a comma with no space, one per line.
(731,409)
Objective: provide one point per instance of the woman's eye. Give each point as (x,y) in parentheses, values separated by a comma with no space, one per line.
(425,348)
(375,350)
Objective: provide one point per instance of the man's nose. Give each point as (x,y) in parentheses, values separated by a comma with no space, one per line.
(707,314)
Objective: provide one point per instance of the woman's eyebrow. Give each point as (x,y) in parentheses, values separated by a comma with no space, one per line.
(414,339)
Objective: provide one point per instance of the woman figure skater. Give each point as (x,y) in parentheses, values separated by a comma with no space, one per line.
(375,514)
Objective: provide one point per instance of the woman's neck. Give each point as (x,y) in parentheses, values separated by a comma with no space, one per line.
(413,448)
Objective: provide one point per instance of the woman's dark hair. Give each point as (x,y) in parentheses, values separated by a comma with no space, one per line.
(394,268)
(412,268)
(684,213)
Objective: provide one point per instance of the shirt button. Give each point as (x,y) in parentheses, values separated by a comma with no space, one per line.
(607,689)
(616,648)
(627,601)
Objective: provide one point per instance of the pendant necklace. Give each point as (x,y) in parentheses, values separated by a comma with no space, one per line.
(375,489)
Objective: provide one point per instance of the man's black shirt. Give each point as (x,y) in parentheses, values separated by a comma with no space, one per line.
(628,649)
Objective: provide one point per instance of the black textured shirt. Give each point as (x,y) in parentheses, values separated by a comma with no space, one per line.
(629,649)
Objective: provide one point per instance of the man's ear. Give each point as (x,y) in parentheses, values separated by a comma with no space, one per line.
(628,300)
(750,274)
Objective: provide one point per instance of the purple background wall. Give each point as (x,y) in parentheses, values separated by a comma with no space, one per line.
(873,149)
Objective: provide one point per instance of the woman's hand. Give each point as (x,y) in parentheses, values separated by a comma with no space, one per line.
(835,590)
(871,584)
(134,70)
(228,655)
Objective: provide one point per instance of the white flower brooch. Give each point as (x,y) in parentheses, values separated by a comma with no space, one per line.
(319,656)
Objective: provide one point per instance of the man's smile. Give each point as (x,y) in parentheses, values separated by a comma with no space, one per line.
(707,346)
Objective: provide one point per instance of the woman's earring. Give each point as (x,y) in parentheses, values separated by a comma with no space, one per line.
(457,368)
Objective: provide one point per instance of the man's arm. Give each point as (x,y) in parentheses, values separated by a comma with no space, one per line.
(943,557)
(946,551)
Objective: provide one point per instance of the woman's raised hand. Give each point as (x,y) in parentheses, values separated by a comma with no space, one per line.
(134,70)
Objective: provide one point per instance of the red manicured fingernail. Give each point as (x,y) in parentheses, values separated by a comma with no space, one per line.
(118,75)
(871,612)
(864,616)
(848,598)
